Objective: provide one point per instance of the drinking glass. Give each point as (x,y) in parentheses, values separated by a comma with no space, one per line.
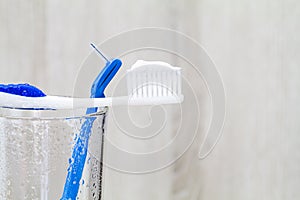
(36,149)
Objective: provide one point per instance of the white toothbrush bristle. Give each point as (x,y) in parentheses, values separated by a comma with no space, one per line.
(154,80)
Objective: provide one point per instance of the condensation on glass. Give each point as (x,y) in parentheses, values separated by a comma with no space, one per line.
(36,148)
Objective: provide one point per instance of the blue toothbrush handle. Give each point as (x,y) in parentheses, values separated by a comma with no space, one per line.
(104,78)
(80,148)
(78,159)
(79,154)
(24,90)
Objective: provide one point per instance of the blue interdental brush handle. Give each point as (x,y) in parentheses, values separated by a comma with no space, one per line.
(79,154)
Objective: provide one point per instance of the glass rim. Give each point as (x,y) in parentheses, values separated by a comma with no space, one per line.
(26,114)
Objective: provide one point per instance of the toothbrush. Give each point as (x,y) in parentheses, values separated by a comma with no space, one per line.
(148,83)
(79,154)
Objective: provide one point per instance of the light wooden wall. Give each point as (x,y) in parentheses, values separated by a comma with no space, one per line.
(255,45)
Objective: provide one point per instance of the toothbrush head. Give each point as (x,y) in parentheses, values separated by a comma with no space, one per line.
(25,90)
(154,81)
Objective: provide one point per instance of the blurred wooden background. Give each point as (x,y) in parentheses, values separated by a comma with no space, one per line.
(255,46)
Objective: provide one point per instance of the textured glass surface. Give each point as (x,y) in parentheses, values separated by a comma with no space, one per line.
(35,152)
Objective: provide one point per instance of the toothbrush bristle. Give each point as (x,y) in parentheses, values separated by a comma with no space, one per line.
(153,79)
